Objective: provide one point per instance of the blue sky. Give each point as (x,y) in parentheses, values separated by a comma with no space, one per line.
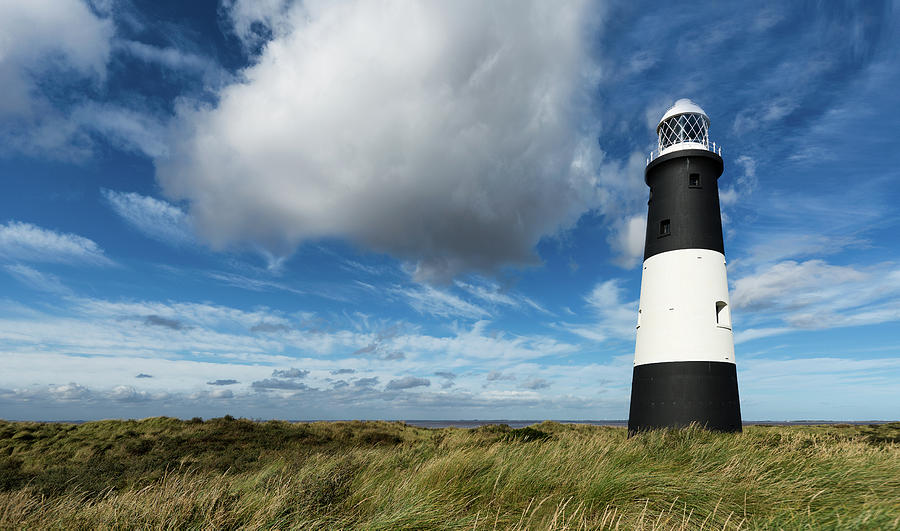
(325,210)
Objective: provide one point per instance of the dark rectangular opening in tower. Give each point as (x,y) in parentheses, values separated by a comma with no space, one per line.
(694,180)
(723,315)
(664,228)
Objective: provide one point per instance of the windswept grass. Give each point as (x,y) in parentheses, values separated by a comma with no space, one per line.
(163,473)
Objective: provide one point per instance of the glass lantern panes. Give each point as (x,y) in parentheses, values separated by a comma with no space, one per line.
(688,127)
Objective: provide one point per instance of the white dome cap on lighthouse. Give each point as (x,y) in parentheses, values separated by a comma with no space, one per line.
(682,106)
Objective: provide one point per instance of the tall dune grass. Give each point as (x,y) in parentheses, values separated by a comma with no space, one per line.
(163,473)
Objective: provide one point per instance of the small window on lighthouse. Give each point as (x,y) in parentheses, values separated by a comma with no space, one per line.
(664,228)
(723,315)
(694,180)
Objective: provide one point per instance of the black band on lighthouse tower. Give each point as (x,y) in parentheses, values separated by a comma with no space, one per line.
(675,394)
(684,370)
(695,221)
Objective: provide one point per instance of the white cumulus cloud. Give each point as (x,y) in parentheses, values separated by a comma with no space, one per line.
(443,133)
(628,240)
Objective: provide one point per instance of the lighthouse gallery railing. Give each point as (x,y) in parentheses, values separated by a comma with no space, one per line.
(706,144)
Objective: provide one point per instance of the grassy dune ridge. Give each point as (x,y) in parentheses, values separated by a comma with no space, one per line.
(234,473)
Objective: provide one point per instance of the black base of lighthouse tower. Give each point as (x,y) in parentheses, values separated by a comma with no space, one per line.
(676,394)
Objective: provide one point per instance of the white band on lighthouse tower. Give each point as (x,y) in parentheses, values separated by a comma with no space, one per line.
(684,312)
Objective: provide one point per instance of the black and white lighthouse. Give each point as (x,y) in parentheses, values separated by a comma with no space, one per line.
(684,369)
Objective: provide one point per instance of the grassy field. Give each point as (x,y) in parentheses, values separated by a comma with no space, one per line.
(232,473)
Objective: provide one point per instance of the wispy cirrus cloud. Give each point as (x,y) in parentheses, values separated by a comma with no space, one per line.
(37,280)
(427,299)
(168,56)
(789,296)
(154,218)
(97,328)
(788,389)
(252,283)
(270,328)
(476,298)
(481,343)
(493,294)
(25,242)
(128,129)
(791,284)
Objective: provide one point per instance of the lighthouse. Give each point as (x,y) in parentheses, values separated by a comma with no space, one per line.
(684,367)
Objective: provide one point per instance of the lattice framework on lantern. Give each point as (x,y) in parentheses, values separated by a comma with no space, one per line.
(689,127)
